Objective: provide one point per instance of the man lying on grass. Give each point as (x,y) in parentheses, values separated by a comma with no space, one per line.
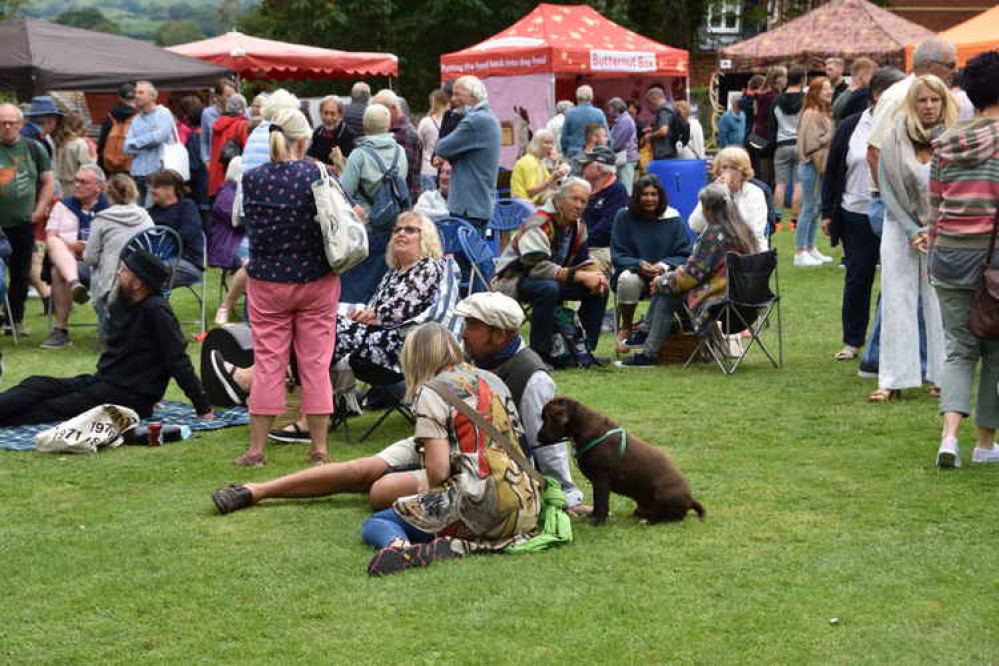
(145,348)
(491,337)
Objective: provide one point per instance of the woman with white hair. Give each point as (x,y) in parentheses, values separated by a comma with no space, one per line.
(531,180)
(292,292)
(229,135)
(701,281)
(556,122)
(257,149)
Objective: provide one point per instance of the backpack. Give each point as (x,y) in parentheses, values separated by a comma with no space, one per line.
(115,158)
(392,196)
(569,348)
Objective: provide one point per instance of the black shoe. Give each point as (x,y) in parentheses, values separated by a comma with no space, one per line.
(392,559)
(637,339)
(293,436)
(232,498)
(57,339)
(639,360)
(563,363)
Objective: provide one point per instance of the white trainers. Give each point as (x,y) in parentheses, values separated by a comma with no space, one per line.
(985,455)
(806,260)
(948,455)
(815,254)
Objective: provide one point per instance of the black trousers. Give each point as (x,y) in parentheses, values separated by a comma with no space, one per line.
(49,399)
(862,249)
(22,243)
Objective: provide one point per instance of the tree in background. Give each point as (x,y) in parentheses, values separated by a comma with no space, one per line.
(89,18)
(178,32)
(11,8)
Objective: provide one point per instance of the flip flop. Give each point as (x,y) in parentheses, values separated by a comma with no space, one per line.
(227,379)
(847,353)
(290,434)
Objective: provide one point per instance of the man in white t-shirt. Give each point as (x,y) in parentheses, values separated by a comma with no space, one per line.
(933,56)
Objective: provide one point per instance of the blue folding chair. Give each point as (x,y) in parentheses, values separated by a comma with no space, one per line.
(508,215)
(447,228)
(160,241)
(480,257)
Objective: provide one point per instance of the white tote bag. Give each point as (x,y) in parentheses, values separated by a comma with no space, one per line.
(175,157)
(344,235)
(85,433)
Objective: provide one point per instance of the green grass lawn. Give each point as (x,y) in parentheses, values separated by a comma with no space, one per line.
(820,506)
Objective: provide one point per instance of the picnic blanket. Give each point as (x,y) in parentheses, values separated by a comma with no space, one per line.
(22,438)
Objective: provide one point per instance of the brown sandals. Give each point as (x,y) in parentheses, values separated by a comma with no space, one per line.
(885,395)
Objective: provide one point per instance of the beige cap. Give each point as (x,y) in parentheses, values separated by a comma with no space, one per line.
(493,309)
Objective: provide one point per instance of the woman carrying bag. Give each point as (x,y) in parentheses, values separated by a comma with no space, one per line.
(964,194)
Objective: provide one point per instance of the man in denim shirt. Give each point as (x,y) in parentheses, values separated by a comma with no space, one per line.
(151,128)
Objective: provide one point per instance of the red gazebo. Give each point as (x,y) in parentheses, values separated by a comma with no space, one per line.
(255,58)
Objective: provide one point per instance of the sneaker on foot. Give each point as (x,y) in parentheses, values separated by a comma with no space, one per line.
(805,260)
(57,339)
(639,360)
(814,252)
(985,455)
(80,292)
(948,455)
(395,559)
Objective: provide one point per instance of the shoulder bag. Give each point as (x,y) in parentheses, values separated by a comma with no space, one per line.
(344,236)
(983,312)
(174,155)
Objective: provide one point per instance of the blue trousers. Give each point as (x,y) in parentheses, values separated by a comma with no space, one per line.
(545,295)
(386,526)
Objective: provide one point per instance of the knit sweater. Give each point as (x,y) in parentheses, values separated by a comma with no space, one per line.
(964,184)
(663,240)
(815,134)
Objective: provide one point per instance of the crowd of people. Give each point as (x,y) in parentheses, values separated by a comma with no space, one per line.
(899,169)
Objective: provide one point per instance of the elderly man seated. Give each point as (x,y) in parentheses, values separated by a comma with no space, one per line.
(145,348)
(607,197)
(491,338)
(548,262)
(66,235)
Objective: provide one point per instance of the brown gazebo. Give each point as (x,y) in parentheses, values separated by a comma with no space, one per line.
(848,29)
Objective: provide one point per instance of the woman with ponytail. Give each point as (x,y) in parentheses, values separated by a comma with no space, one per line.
(292,292)
(702,280)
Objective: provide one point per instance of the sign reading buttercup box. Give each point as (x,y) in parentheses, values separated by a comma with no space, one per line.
(622,61)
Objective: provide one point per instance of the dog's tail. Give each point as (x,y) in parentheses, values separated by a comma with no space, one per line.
(696,506)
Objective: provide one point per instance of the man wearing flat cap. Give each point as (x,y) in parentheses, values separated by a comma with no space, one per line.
(145,348)
(607,197)
(492,341)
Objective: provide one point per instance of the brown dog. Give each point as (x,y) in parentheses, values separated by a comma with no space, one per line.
(639,471)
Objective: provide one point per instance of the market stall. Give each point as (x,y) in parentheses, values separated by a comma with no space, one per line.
(544,56)
(972,37)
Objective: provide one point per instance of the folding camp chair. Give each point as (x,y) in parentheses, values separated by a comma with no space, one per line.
(447,228)
(480,256)
(747,306)
(202,284)
(160,241)
(508,215)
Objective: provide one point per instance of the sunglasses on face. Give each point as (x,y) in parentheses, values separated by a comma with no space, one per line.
(408,230)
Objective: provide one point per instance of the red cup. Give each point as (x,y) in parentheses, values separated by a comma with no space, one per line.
(156,433)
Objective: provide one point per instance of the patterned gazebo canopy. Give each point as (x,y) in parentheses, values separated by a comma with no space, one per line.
(846,28)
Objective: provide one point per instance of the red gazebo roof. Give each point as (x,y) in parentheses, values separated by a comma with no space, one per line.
(573,39)
(256,58)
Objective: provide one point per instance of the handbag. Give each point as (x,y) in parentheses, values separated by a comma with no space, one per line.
(174,156)
(345,239)
(230,149)
(757,142)
(983,311)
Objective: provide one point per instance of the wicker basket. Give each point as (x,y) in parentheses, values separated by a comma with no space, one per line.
(677,348)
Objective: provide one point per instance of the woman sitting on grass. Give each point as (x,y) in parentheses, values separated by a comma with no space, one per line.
(702,279)
(478,498)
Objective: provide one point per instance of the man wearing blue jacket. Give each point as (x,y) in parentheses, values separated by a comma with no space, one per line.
(473,149)
(576,120)
(151,128)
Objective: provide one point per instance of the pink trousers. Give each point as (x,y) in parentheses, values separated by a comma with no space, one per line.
(286,316)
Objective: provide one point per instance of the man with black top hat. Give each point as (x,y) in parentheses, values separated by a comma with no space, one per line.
(145,348)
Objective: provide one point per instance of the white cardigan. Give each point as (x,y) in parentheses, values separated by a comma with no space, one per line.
(752,204)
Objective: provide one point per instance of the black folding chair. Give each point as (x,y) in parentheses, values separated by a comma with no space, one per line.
(379,379)
(747,307)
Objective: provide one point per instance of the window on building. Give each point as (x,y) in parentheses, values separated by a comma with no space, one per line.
(724,17)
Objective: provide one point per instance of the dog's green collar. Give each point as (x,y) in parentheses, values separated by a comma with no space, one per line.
(610,433)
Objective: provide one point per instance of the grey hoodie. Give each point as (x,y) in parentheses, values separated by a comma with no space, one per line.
(362,171)
(109,232)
